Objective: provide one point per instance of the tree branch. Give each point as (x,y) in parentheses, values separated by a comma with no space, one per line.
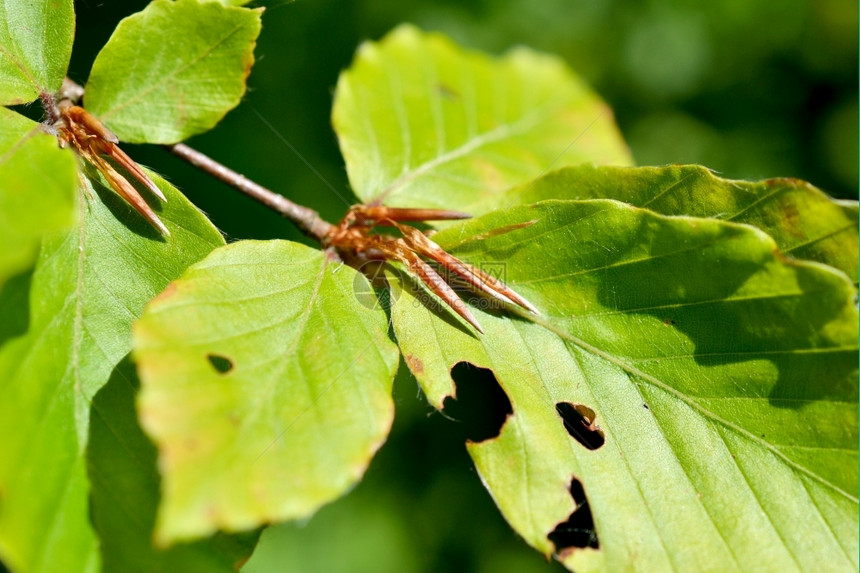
(305,218)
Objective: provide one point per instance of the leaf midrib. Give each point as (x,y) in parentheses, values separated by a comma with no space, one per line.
(19,64)
(656,382)
(77,324)
(670,555)
(499,133)
(272,380)
(169,77)
(19,144)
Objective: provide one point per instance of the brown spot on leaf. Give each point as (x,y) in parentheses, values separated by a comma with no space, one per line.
(489,174)
(578,531)
(785,181)
(781,257)
(578,420)
(794,221)
(168,292)
(447,91)
(415,364)
(668,321)
(480,404)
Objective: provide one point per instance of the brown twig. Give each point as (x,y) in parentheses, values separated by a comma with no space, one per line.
(305,218)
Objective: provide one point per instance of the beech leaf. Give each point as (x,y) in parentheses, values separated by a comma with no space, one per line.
(266,386)
(37,190)
(424,123)
(35,47)
(65,328)
(198,55)
(124,482)
(686,399)
(802,219)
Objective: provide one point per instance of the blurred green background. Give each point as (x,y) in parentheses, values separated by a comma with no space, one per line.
(751,89)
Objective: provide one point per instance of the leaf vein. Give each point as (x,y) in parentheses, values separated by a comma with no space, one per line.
(172,75)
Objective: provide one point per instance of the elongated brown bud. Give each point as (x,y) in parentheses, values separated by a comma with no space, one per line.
(96,144)
(87,122)
(353,238)
(378,214)
(472,275)
(125,190)
(398,250)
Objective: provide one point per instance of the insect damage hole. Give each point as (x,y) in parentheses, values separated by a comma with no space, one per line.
(480,404)
(221,364)
(579,422)
(578,531)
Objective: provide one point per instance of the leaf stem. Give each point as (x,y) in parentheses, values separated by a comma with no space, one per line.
(305,218)
(49,105)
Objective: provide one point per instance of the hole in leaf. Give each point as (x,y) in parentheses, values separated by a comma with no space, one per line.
(578,531)
(579,422)
(220,363)
(481,406)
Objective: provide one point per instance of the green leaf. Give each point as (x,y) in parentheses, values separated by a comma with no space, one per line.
(804,221)
(723,378)
(88,285)
(121,466)
(266,386)
(198,56)
(37,190)
(230,2)
(266,3)
(423,123)
(35,47)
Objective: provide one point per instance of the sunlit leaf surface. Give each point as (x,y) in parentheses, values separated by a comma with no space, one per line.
(124,492)
(804,222)
(266,375)
(198,56)
(722,376)
(424,123)
(37,190)
(35,46)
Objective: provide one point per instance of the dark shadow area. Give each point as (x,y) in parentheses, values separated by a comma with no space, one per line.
(220,363)
(578,531)
(32,110)
(480,406)
(15,306)
(124,491)
(690,294)
(579,422)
